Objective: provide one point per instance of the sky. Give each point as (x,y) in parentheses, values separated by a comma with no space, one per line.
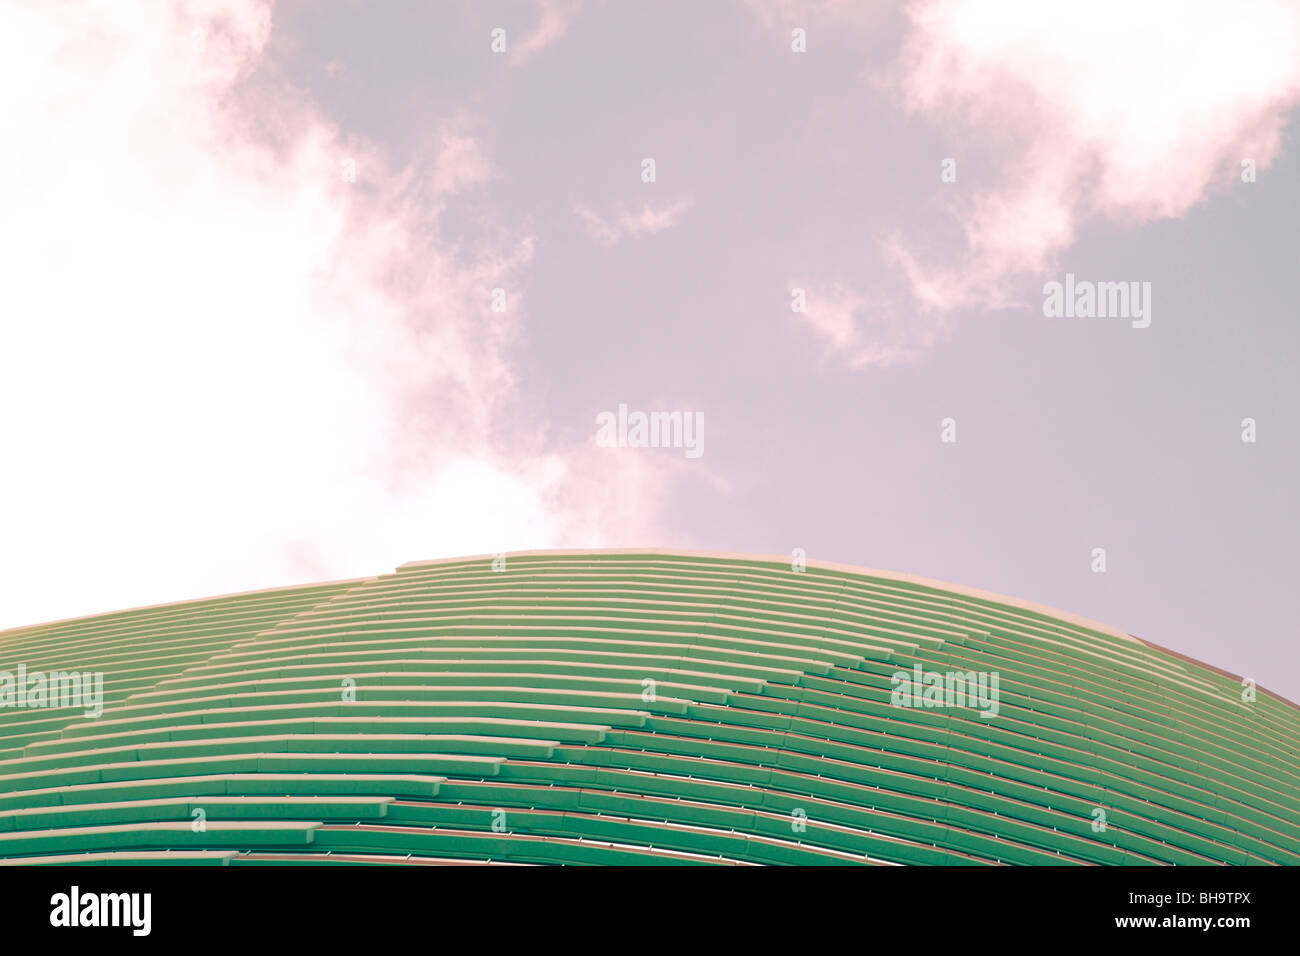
(302,291)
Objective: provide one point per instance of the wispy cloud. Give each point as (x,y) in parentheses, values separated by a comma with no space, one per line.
(553,17)
(862,329)
(648,221)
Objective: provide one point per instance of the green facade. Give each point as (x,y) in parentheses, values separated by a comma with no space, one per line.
(643,708)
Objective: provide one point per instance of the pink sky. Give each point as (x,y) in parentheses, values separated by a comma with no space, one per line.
(250,253)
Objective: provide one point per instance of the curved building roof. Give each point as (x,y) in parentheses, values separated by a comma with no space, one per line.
(633,707)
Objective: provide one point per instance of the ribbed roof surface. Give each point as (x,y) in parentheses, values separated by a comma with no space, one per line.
(517,699)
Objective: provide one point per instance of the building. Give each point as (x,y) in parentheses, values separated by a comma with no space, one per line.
(632,707)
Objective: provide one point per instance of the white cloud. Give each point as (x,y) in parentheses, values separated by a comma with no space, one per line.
(223,366)
(1093,109)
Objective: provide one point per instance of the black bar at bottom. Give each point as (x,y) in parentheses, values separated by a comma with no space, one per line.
(615,906)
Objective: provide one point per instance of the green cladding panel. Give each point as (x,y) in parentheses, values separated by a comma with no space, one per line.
(640,708)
